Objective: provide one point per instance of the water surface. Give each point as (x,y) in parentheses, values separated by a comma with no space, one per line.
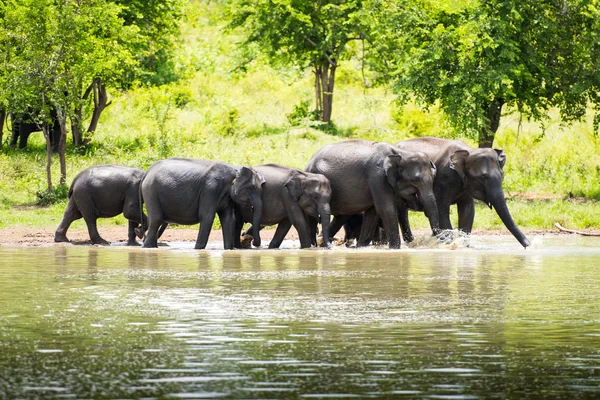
(490,320)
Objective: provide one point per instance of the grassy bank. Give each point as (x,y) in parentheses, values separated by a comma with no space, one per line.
(215,112)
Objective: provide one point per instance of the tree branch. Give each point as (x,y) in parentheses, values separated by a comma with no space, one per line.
(560,228)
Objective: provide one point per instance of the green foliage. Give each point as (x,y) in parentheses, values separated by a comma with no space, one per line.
(307,34)
(158,25)
(301,115)
(416,122)
(527,55)
(230,124)
(48,197)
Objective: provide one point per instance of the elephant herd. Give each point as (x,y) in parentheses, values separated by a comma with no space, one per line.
(363,184)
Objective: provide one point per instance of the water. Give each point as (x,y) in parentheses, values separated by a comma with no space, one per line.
(482,319)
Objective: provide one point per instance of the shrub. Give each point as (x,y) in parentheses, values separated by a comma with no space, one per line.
(57,194)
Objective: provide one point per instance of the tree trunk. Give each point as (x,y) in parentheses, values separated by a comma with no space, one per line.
(324,82)
(2,119)
(318,93)
(100,103)
(494,112)
(47,133)
(62,122)
(76,126)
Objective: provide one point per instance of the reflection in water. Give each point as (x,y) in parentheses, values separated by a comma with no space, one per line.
(480,322)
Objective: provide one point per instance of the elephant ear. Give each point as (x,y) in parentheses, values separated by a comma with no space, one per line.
(260,178)
(294,185)
(391,166)
(242,177)
(433,168)
(458,162)
(501,157)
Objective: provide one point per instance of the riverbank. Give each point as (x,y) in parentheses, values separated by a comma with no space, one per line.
(118,234)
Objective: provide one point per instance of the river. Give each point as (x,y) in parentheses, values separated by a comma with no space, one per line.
(482,318)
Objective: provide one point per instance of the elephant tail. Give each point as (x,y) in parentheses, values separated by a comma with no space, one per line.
(70,192)
(141,198)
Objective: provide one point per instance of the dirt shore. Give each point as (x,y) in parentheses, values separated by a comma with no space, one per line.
(36,235)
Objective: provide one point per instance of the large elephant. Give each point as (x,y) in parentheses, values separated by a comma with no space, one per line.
(104,191)
(373,178)
(185,191)
(465,174)
(290,197)
(24,125)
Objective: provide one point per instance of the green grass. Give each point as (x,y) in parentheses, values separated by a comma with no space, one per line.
(217,113)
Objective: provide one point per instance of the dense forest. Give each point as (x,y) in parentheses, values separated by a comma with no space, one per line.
(249,82)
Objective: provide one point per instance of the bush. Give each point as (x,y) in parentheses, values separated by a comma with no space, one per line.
(57,194)
(301,116)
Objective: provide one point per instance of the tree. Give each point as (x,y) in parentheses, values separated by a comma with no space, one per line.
(477,58)
(158,24)
(302,33)
(54,48)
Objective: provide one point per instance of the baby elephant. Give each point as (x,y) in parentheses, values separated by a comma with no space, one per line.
(290,197)
(104,191)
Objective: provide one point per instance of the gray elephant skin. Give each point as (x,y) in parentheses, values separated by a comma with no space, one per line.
(464,174)
(23,125)
(373,177)
(187,191)
(290,197)
(104,191)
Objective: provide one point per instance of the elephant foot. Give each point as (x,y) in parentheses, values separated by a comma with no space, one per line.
(246,241)
(133,243)
(60,238)
(100,241)
(139,232)
(445,236)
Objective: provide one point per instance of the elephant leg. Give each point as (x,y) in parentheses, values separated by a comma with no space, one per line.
(249,230)
(282,229)
(369,227)
(228,222)
(23,136)
(466,214)
(206,222)
(444,212)
(337,222)
(300,222)
(55,136)
(239,225)
(131,211)
(71,214)
(387,210)
(14,136)
(131,235)
(162,229)
(152,237)
(404,223)
(93,230)
(312,227)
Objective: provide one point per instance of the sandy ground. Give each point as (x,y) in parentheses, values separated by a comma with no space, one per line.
(35,236)
(32,235)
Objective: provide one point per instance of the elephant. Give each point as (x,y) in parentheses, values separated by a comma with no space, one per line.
(353,227)
(24,124)
(465,174)
(187,191)
(104,191)
(290,197)
(371,177)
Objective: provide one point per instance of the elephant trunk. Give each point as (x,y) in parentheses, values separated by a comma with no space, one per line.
(499,204)
(431,211)
(257,210)
(325,213)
